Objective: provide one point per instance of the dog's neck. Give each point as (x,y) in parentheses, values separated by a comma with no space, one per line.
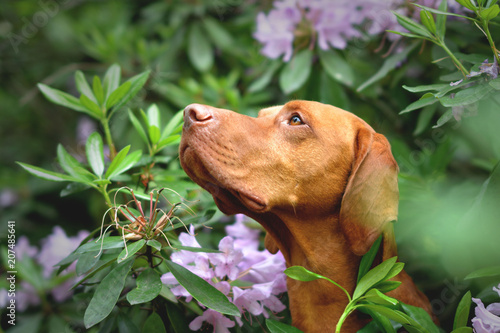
(317,245)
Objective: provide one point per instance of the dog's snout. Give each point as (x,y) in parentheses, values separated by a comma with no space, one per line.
(197,113)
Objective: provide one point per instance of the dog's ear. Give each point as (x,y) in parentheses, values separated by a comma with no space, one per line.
(371,197)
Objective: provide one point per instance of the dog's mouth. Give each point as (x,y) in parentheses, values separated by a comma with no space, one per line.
(230,199)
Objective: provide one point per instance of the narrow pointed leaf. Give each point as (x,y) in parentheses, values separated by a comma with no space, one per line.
(118,94)
(154,324)
(95,154)
(92,108)
(61,98)
(202,291)
(441,19)
(301,274)
(428,21)
(138,126)
(111,80)
(83,86)
(136,84)
(425,100)
(130,250)
(72,166)
(116,162)
(172,125)
(490,13)
(128,162)
(367,259)
(337,67)
(441,12)
(98,90)
(373,277)
(484,272)
(276,327)
(109,242)
(107,294)
(462,313)
(412,26)
(395,315)
(46,174)
(199,49)
(296,71)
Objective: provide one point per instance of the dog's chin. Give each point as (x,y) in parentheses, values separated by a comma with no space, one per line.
(230,200)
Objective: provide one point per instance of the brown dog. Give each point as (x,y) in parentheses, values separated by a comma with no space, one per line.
(321,182)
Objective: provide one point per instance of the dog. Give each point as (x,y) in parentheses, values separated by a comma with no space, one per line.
(321,182)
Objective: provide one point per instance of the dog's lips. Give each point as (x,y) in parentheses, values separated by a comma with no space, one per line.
(252,201)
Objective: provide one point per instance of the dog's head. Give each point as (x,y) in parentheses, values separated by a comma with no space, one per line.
(303,158)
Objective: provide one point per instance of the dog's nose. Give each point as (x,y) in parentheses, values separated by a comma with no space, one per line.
(196,113)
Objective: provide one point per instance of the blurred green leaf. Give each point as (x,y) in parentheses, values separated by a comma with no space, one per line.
(92,107)
(301,274)
(218,34)
(109,242)
(202,291)
(412,26)
(148,287)
(467,4)
(442,12)
(463,330)
(467,96)
(337,67)
(425,100)
(62,98)
(117,161)
(111,81)
(130,250)
(172,125)
(154,324)
(199,50)
(83,86)
(484,272)
(118,94)
(98,90)
(154,123)
(428,21)
(263,80)
(296,72)
(490,13)
(445,117)
(128,162)
(106,295)
(154,244)
(73,167)
(374,276)
(95,154)
(367,259)
(86,261)
(441,19)
(276,327)
(136,84)
(138,127)
(45,174)
(463,310)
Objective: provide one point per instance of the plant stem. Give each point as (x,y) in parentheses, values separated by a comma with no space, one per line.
(490,40)
(104,191)
(109,140)
(348,310)
(453,58)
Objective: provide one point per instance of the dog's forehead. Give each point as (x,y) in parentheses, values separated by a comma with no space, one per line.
(312,109)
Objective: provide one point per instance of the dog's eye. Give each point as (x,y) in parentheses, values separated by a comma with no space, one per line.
(295,121)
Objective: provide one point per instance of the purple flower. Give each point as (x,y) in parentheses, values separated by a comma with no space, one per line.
(23,248)
(487,319)
(227,261)
(219,322)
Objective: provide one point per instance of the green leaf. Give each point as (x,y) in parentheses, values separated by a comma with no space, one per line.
(412,26)
(420,318)
(373,277)
(154,324)
(263,80)
(136,84)
(429,87)
(72,166)
(98,90)
(172,125)
(467,4)
(202,291)
(62,98)
(441,12)
(199,50)
(110,242)
(148,287)
(154,244)
(462,313)
(111,81)
(441,19)
(425,100)
(153,114)
(107,294)
(428,21)
(83,86)
(337,67)
(196,249)
(130,250)
(174,139)
(379,323)
(395,270)
(495,83)
(301,274)
(276,327)
(118,94)
(93,108)
(386,286)
(490,13)
(447,116)
(467,96)
(367,259)
(389,64)
(45,174)
(128,162)
(218,34)
(395,315)
(484,272)
(86,261)
(296,71)
(95,154)
(377,297)
(463,330)
(138,127)
(117,161)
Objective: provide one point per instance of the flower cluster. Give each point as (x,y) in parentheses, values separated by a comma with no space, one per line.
(239,260)
(330,23)
(54,248)
(487,319)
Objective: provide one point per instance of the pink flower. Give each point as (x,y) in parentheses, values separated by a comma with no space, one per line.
(227,261)
(217,320)
(487,319)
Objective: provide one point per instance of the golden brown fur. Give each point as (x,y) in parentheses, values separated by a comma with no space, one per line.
(324,191)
